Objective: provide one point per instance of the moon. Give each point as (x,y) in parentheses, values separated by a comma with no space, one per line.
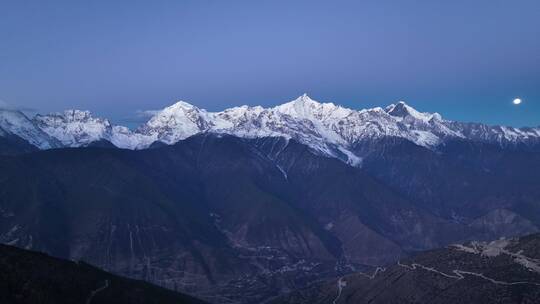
(516,101)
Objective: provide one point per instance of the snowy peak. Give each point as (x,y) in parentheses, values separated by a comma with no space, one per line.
(74,128)
(403,110)
(301,107)
(176,122)
(16,123)
(306,108)
(400,109)
(175,113)
(72,117)
(81,116)
(179,107)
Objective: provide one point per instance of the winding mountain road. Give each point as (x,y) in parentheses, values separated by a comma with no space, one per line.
(460,274)
(94,292)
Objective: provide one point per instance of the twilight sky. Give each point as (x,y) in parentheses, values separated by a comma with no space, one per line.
(464,59)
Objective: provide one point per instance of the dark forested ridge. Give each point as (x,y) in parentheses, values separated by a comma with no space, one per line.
(28,277)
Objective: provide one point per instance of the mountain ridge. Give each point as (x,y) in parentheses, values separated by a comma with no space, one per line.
(330,130)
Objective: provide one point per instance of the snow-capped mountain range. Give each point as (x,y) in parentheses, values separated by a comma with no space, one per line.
(329,129)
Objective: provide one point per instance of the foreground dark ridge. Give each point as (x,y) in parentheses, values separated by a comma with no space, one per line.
(502,271)
(36,278)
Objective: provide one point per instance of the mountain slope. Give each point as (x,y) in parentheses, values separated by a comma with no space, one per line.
(503,271)
(460,181)
(31,277)
(162,215)
(12,145)
(15,124)
(246,219)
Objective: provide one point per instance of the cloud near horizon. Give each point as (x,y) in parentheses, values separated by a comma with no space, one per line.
(139,117)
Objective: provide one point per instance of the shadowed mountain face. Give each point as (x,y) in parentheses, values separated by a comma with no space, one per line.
(502,271)
(31,277)
(12,145)
(241,220)
(460,179)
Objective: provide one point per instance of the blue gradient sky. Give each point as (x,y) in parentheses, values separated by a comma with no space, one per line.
(464,59)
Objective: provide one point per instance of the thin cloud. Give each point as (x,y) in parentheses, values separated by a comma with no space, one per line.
(146,113)
(139,117)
